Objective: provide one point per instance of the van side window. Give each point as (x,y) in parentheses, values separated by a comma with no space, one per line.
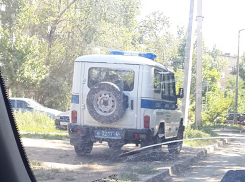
(172,86)
(165,86)
(122,78)
(157,81)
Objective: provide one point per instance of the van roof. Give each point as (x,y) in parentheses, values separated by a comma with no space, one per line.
(120,59)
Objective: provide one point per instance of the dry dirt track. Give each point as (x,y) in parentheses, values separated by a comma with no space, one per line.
(213,167)
(55,160)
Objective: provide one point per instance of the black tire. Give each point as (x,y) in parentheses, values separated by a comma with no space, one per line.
(146,143)
(175,148)
(106,103)
(85,148)
(115,145)
(160,137)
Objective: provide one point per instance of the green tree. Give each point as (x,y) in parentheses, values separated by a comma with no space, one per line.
(216,107)
(155,35)
(41,39)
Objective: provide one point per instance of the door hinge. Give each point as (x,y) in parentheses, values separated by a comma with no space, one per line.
(84,81)
(83,106)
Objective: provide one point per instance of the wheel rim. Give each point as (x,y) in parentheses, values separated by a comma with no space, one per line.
(104,103)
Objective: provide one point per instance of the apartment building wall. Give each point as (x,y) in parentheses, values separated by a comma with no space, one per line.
(232,60)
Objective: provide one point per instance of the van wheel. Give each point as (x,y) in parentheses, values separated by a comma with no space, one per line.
(175,148)
(159,138)
(106,102)
(84,149)
(115,145)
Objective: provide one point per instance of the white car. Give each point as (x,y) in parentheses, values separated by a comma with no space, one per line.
(121,98)
(26,104)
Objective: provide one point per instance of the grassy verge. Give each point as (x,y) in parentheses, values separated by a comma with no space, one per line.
(45,136)
(129,173)
(204,132)
(44,173)
(221,126)
(38,125)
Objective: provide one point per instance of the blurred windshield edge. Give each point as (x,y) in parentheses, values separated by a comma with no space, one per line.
(14,165)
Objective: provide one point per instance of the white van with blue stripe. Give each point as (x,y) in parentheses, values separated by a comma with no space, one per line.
(124,97)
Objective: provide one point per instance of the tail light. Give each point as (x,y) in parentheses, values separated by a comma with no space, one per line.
(74,116)
(136,135)
(146,121)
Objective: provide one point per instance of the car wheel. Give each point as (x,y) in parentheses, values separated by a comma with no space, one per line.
(84,149)
(115,145)
(106,103)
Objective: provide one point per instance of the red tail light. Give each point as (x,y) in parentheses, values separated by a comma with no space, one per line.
(146,121)
(74,116)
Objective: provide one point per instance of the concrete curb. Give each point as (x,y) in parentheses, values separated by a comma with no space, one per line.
(184,164)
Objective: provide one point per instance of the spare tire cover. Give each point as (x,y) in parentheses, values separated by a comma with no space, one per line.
(106,103)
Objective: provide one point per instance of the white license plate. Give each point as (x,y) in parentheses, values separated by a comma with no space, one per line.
(63,123)
(108,134)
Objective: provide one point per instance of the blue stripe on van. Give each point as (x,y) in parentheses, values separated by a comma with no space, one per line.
(75,99)
(156,104)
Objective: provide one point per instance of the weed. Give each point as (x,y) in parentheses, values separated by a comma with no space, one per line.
(128,177)
(67,179)
(145,170)
(55,170)
(35,163)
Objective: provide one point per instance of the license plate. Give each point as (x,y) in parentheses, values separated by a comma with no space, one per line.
(63,123)
(108,134)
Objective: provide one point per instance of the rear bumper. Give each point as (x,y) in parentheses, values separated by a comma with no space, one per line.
(137,136)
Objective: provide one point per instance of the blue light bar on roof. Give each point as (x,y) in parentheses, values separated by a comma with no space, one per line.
(148,55)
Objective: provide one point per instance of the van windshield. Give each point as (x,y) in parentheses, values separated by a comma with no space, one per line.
(124,79)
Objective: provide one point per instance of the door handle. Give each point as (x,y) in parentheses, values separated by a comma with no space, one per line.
(132,104)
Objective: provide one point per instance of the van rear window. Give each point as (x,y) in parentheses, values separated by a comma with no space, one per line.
(122,78)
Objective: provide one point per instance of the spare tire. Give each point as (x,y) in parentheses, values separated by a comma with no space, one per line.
(106,103)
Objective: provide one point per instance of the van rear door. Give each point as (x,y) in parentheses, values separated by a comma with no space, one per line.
(125,77)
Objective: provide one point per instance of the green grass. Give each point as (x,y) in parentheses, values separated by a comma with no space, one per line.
(221,126)
(129,177)
(145,170)
(204,132)
(35,122)
(68,179)
(45,136)
(35,163)
(133,172)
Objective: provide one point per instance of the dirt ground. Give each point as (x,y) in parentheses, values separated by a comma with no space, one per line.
(56,160)
(214,167)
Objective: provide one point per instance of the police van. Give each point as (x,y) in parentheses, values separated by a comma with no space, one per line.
(121,98)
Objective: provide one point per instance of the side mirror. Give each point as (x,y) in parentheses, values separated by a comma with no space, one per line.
(181,93)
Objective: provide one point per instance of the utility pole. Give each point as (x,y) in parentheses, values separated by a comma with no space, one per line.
(237,77)
(188,65)
(198,111)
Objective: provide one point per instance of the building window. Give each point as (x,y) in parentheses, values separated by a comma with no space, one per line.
(222,75)
(230,69)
